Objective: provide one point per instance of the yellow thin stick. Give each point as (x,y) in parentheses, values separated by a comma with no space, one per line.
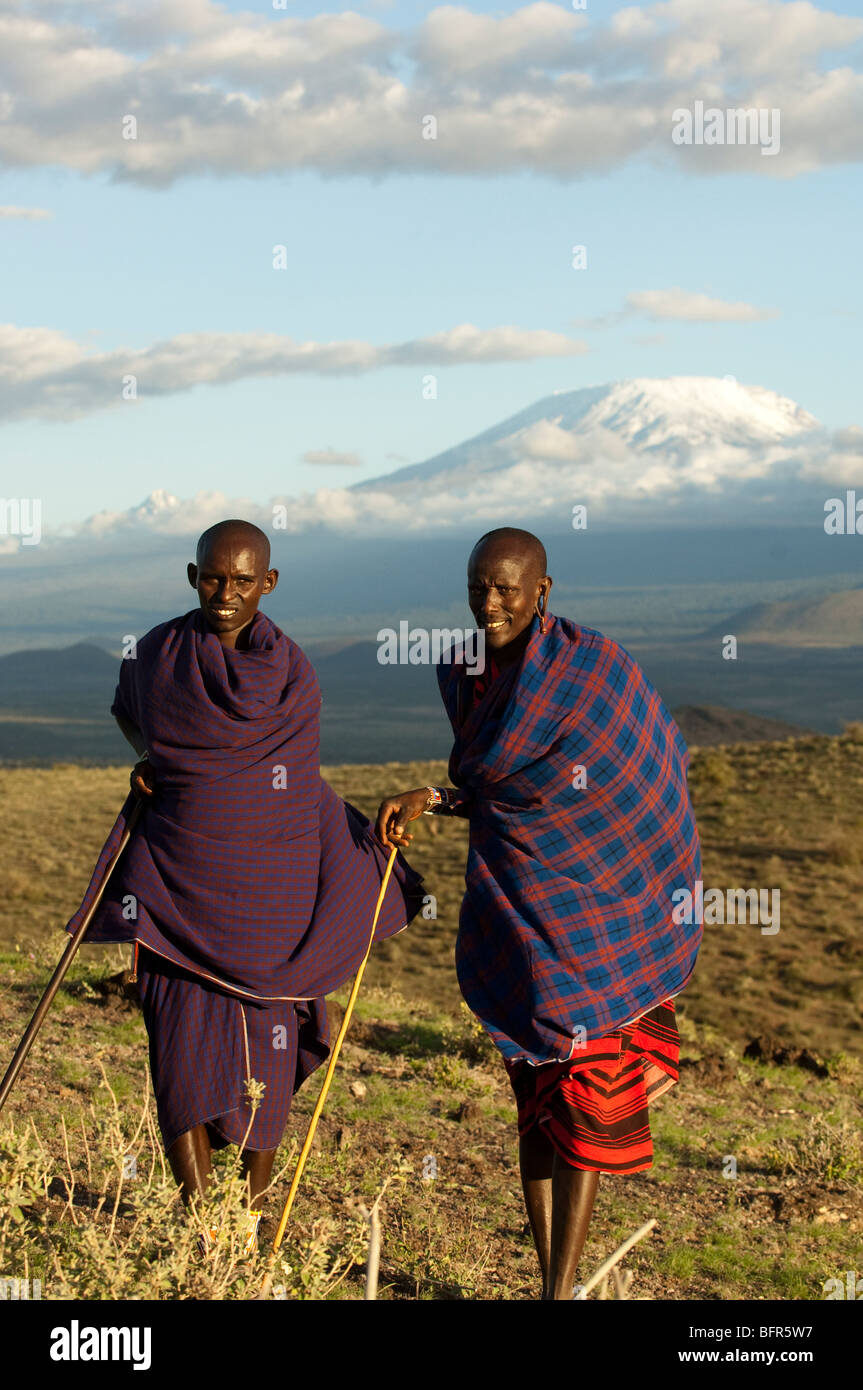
(334,1057)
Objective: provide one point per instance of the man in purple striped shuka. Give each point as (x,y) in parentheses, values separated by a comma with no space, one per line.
(247,886)
(572,774)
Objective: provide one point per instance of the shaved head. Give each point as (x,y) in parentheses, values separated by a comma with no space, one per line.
(512,541)
(238,534)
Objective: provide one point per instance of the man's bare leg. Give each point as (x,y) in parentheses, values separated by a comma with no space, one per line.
(559,1201)
(258,1168)
(191,1160)
(536,1161)
(572,1195)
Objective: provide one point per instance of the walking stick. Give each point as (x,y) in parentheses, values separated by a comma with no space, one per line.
(62,966)
(267,1285)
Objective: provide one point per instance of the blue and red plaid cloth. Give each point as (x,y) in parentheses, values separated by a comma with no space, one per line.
(567,921)
(245,869)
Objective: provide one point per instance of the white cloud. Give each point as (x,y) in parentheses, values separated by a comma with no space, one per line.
(690,307)
(45,374)
(685,306)
(547,442)
(454,40)
(28,214)
(541,88)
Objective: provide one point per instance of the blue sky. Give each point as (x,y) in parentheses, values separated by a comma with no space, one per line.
(126,265)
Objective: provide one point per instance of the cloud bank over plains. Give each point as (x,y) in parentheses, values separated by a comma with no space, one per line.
(638,452)
(544,88)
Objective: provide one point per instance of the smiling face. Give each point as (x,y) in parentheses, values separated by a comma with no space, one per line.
(504,585)
(230,577)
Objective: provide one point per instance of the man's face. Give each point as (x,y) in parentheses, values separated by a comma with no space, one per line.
(230,581)
(503,588)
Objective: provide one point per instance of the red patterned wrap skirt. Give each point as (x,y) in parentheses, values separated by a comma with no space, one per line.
(593,1108)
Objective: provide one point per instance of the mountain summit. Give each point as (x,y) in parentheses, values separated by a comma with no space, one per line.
(679,413)
(635,450)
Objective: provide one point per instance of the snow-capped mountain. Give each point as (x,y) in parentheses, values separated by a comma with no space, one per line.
(675,413)
(643,452)
(678,442)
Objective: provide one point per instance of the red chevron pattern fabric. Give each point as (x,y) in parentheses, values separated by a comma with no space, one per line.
(595,1109)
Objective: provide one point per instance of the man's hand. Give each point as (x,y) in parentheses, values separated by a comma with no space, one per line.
(395,812)
(142,781)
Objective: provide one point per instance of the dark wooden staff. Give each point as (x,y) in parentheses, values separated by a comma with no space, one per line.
(62,966)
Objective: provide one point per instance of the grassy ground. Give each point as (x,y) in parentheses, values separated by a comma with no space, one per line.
(421,1104)
(780,815)
(419,1101)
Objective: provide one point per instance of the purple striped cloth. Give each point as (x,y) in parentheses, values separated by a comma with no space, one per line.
(204,1044)
(567,918)
(249,883)
(246,869)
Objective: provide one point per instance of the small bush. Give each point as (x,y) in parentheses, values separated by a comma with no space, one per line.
(829,1151)
(133,1239)
(845,846)
(714,771)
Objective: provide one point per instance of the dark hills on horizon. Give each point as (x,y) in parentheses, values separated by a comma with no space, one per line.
(54,703)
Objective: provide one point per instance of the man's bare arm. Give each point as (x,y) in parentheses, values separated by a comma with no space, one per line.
(396,811)
(131,733)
